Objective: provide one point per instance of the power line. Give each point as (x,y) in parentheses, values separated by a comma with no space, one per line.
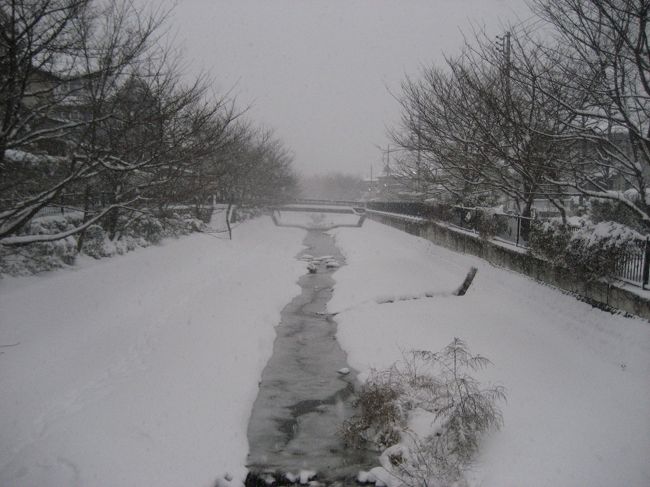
(526,26)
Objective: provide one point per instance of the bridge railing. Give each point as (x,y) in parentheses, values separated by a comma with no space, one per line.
(308,201)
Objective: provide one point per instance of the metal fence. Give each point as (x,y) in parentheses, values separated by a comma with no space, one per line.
(412,208)
(512,229)
(52,210)
(635,264)
(633,267)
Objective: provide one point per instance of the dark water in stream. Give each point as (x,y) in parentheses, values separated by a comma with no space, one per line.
(303,399)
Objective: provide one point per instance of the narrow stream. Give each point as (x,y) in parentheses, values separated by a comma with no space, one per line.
(302,398)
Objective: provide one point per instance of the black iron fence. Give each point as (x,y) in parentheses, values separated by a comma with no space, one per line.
(513,229)
(506,227)
(412,208)
(52,210)
(633,267)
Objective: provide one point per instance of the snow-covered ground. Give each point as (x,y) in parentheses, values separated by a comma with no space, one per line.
(576,377)
(141,370)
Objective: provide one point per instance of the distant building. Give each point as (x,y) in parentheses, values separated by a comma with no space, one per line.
(57,102)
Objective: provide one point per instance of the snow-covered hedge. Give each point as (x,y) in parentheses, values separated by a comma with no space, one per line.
(135,233)
(549,240)
(592,250)
(483,220)
(486,223)
(42,256)
(614,211)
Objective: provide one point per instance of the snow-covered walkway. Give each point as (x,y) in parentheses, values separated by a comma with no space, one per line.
(577,378)
(141,370)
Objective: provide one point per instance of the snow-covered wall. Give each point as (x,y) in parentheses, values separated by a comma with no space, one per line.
(635,301)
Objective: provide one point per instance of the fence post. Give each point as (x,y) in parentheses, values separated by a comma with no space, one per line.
(518,229)
(646,264)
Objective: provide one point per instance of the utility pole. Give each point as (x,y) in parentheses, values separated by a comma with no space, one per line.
(504,46)
(418,184)
(508,67)
(387,152)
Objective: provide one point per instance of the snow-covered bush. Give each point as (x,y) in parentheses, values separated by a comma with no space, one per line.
(149,228)
(614,211)
(39,257)
(381,416)
(592,251)
(482,220)
(180,223)
(93,242)
(432,410)
(134,233)
(549,240)
(485,222)
(42,256)
(596,250)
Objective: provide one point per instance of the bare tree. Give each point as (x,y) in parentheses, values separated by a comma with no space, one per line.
(261,172)
(96,116)
(603,58)
(539,119)
(36,40)
(65,59)
(472,129)
(235,163)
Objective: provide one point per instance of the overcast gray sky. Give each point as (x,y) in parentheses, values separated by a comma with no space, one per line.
(317,71)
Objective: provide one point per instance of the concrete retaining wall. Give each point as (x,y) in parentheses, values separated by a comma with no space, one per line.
(597,293)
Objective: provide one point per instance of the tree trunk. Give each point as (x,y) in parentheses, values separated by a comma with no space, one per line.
(111,224)
(228,219)
(526,221)
(82,234)
(560,208)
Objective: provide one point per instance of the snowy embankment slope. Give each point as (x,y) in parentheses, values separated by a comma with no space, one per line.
(141,370)
(576,377)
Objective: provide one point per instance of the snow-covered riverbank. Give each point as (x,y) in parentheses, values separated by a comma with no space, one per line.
(576,377)
(141,370)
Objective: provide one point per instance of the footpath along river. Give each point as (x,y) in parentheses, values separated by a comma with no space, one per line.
(303,398)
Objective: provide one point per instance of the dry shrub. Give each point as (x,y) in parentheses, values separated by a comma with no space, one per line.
(438,383)
(380,415)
